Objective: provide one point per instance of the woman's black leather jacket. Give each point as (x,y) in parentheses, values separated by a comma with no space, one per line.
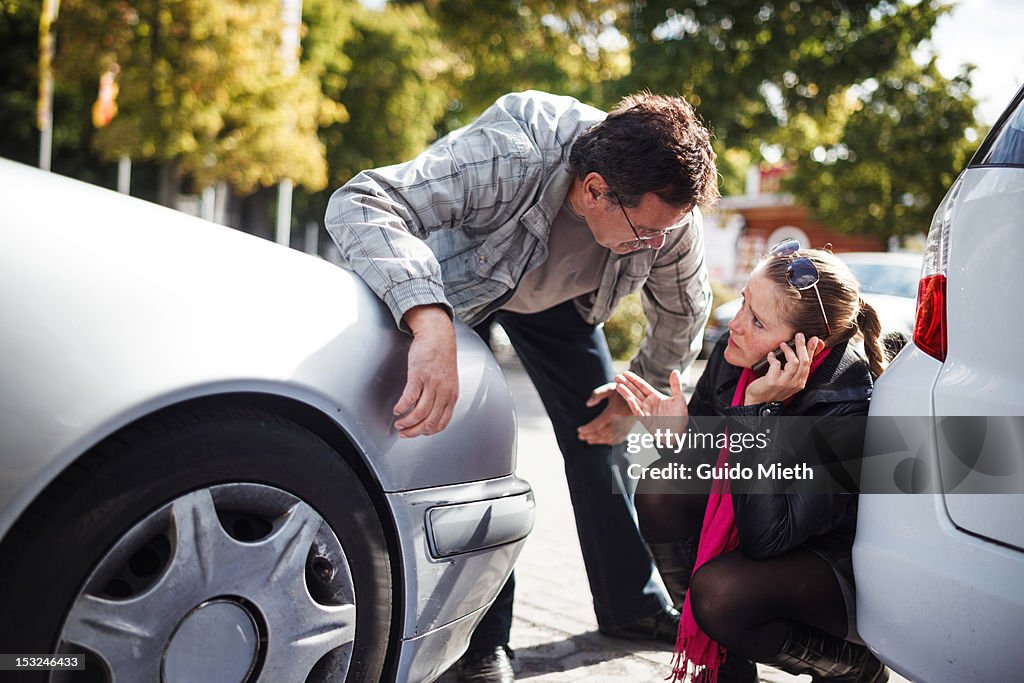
(771,523)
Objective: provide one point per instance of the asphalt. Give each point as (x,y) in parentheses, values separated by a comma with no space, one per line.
(554,631)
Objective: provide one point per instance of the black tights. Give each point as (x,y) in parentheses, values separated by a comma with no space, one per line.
(666,517)
(747,605)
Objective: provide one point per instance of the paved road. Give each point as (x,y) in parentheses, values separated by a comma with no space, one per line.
(554,632)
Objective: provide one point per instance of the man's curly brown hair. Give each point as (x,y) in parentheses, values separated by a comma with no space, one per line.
(650,143)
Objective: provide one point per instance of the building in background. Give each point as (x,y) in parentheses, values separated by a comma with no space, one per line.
(741,228)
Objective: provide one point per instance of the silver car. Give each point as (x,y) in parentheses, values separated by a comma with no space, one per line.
(940,564)
(199,480)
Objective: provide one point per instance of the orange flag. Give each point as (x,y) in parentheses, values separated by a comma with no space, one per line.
(105,108)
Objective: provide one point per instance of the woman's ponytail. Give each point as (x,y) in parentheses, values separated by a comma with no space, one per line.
(871,328)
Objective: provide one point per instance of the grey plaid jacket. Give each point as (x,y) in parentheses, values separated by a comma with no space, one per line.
(461,223)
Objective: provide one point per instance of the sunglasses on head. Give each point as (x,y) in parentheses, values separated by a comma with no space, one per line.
(800,272)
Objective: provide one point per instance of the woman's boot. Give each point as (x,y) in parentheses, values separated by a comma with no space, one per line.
(827,658)
(675,561)
(737,670)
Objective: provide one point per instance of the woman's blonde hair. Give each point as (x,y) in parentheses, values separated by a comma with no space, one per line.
(848,314)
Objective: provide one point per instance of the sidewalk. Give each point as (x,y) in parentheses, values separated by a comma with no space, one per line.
(554,632)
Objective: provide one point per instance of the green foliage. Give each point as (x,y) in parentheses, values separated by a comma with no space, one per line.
(19,84)
(899,143)
(396,89)
(625,329)
(732,167)
(19,30)
(390,75)
(202,83)
(874,137)
(556,45)
(750,67)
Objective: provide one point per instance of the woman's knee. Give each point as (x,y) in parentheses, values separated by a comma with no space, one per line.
(712,602)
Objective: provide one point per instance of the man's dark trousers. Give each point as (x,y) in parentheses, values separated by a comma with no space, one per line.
(567,359)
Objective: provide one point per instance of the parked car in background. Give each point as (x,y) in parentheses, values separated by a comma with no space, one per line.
(888,282)
(199,479)
(940,573)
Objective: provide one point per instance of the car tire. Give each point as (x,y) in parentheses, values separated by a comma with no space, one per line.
(283,498)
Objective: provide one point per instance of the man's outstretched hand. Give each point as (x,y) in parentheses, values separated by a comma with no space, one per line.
(432,383)
(603,429)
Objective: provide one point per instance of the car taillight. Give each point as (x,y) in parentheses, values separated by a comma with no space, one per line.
(930,325)
(930,331)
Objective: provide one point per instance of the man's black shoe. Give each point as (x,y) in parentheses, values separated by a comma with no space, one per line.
(486,666)
(661,626)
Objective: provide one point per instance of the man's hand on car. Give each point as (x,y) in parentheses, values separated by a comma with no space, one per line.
(432,383)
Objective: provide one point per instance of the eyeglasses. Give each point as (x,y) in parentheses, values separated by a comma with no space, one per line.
(654,234)
(801,272)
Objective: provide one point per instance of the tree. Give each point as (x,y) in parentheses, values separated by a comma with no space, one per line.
(19,28)
(750,67)
(561,46)
(202,88)
(874,137)
(389,74)
(19,87)
(398,79)
(203,91)
(895,144)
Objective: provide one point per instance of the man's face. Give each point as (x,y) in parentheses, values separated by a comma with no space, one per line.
(617,227)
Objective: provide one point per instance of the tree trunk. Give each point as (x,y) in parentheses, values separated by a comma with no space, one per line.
(168,183)
(254,214)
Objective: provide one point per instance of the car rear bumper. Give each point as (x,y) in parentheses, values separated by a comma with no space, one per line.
(934,602)
(459,544)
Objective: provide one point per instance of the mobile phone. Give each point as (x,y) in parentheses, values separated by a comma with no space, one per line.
(761,367)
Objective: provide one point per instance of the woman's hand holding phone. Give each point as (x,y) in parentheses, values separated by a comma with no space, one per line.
(783,380)
(760,368)
(650,405)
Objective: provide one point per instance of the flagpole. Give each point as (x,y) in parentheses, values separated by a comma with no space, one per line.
(44,106)
(291,17)
(124,175)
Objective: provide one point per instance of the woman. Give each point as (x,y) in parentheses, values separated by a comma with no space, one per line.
(772,576)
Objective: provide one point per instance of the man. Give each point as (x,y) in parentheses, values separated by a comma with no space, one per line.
(542,214)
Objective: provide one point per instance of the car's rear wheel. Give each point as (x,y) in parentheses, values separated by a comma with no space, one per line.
(221,545)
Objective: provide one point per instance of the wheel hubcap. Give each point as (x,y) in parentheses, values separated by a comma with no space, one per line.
(216,641)
(226,584)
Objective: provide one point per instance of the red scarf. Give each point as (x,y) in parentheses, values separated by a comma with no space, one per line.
(696,654)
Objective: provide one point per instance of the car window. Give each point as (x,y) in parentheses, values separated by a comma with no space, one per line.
(1008,146)
(876,278)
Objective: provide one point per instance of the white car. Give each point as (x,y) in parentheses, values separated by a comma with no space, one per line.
(940,566)
(199,477)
